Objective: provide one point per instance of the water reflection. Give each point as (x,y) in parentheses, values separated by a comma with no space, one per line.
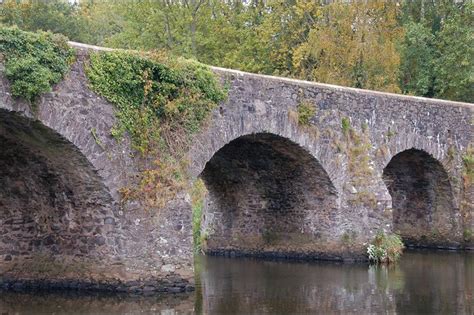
(71,302)
(423,282)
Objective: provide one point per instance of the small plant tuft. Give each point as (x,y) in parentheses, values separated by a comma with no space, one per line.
(345,125)
(306,111)
(385,248)
(468,235)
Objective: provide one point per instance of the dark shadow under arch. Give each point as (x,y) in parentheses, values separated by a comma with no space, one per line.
(52,201)
(422,200)
(266,196)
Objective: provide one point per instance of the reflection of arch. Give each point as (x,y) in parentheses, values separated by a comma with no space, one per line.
(266,194)
(423,207)
(52,202)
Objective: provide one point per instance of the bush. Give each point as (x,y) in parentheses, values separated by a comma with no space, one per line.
(385,248)
(160,102)
(33,61)
(158,99)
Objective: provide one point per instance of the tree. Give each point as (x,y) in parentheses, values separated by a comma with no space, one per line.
(353,45)
(438,49)
(454,66)
(417,60)
(48,15)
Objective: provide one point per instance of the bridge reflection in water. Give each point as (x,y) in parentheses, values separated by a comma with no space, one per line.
(423,282)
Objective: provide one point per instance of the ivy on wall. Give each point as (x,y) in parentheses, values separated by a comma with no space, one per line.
(33,61)
(160,102)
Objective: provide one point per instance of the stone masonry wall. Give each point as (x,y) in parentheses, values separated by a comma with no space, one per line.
(381,126)
(62,220)
(62,172)
(267,196)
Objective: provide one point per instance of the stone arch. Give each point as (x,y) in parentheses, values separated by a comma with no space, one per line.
(54,207)
(267,196)
(260,118)
(423,204)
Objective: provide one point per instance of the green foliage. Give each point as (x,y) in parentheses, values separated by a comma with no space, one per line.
(385,248)
(57,16)
(161,102)
(198,193)
(468,235)
(416,69)
(468,160)
(454,66)
(155,99)
(33,61)
(418,47)
(345,125)
(438,50)
(305,111)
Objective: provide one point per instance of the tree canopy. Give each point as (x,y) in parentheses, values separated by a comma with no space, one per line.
(414,47)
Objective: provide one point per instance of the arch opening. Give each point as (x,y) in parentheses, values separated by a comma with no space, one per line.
(53,205)
(422,200)
(267,196)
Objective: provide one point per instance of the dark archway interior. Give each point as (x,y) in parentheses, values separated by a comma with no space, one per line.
(422,199)
(266,194)
(51,200)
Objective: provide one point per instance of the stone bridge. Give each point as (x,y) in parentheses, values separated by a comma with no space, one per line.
(277,185)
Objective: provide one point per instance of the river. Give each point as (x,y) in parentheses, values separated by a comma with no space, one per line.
(423,282)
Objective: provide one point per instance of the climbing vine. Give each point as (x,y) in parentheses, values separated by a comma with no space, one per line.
(160,102)
(33,61)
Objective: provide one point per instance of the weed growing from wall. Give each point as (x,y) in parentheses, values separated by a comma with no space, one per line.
(160,102)
(468,160)
(301,117)
(357,147)
(33,61)
(306,111)
(466,200)
(198,193)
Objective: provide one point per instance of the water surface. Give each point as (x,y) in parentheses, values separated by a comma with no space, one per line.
(423,282)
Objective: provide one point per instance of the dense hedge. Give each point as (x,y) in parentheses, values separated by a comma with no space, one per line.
(33,61)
